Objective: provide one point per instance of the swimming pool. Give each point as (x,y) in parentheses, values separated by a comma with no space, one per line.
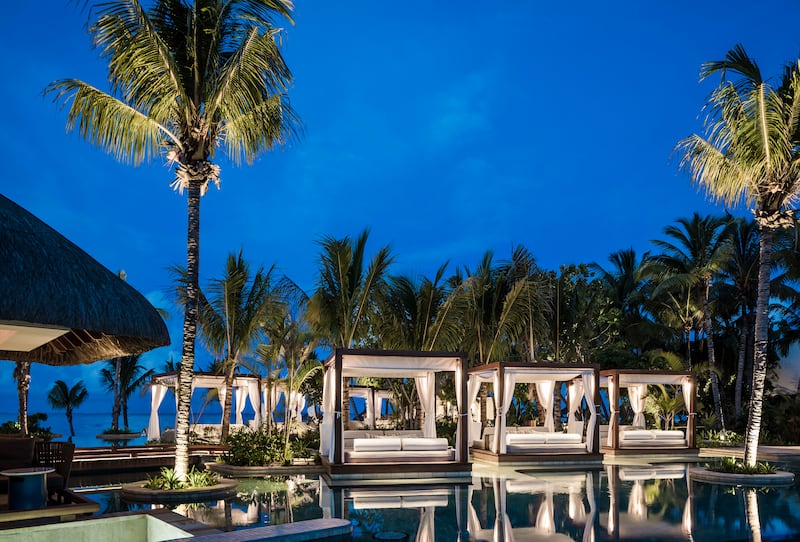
(613,503)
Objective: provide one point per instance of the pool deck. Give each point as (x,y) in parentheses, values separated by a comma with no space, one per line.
(765,452)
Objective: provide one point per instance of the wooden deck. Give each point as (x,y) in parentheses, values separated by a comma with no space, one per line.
(353,474)
(669,454)
(555,460)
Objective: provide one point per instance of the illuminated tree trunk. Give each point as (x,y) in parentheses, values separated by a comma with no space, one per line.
(189,332)
(22,373)
(743,338)
(760,349)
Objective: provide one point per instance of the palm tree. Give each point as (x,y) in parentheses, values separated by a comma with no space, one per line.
(22,374)
(346,293)
(292,345)
(232,316)
(186,78)
(124,376)
(698,250)
(750,153)
(741,273)
(62,396)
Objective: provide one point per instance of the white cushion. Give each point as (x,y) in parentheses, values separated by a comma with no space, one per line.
(376,444)
(526,438)
(637,434)
(660,434)
(424,444)
(571,438)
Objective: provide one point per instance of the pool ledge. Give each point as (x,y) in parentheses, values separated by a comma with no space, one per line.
(313,529)
(780,478)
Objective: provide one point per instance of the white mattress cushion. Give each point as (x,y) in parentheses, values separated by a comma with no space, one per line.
(424,444)
(660,434)
(376,444)
(563,438)
(526,438)
(637,434)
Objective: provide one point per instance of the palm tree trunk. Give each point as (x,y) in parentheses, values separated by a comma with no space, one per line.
(226,408)
(116,407)
(760,348)
(189,333)
(125,413)
(345,403)
(743,337)
(22,373)
(71,427)
(712,363)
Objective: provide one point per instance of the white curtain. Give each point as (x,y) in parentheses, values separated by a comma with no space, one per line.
(239,394)
(473,523)
(638,394)
(462,420)
(255,402)
(589,392)
(637,507)
(502,523)
(544,389)
(473,388)
(575,396)
(299,405)
(157,393)
(509,381)
(369,417)
(686,388)
(612,414)
(222,392)
(326,427)
(325,500)
(426,388)
(461,513)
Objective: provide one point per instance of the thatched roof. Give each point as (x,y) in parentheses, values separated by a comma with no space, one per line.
(58,305)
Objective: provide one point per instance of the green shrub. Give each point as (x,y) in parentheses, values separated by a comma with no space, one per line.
(35,429)
(305,445)
(446,428)
(254,448)
(200,478)
(730,465)
(167,479)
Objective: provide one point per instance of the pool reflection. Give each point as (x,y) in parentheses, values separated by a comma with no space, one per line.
(624,502)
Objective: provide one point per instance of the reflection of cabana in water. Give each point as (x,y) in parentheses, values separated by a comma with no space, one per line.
(245,388)
(339,502)
(373,401)
(636,438)
(535,444)
(633,523)
(417,456)
(544,528)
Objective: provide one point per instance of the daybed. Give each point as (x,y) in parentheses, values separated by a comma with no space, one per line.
(410,498)
(399,450)
(650,438)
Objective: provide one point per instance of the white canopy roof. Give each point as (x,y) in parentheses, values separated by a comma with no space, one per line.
(645,377)
(400,365)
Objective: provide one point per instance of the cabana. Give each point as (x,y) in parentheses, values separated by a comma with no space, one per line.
(637,439)
(578,445)
(245,387)
(417,455)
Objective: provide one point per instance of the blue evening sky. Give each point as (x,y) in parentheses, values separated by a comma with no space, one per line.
(447,128)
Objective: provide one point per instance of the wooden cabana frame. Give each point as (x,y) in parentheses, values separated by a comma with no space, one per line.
(615,379)
(350,363)
(559,450)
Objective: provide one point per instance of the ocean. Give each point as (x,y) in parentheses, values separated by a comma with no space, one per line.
(88,425)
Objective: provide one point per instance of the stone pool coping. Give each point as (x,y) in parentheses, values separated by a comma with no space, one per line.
(136,492)
(780,478)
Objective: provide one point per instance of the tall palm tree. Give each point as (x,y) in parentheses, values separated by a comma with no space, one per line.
(750,153)
(187,78)
(741,273)
(292,345)
(62,396)
(697,251)
(231,318)
(125,375)
(22,374)
(346,292)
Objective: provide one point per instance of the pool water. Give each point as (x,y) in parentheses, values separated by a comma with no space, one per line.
(643,503)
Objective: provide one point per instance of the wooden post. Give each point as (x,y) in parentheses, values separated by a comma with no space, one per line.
(338,441)
(691,420)
(463,413)
(613,405)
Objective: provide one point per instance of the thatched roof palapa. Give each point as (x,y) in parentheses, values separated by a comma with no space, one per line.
(58,305)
